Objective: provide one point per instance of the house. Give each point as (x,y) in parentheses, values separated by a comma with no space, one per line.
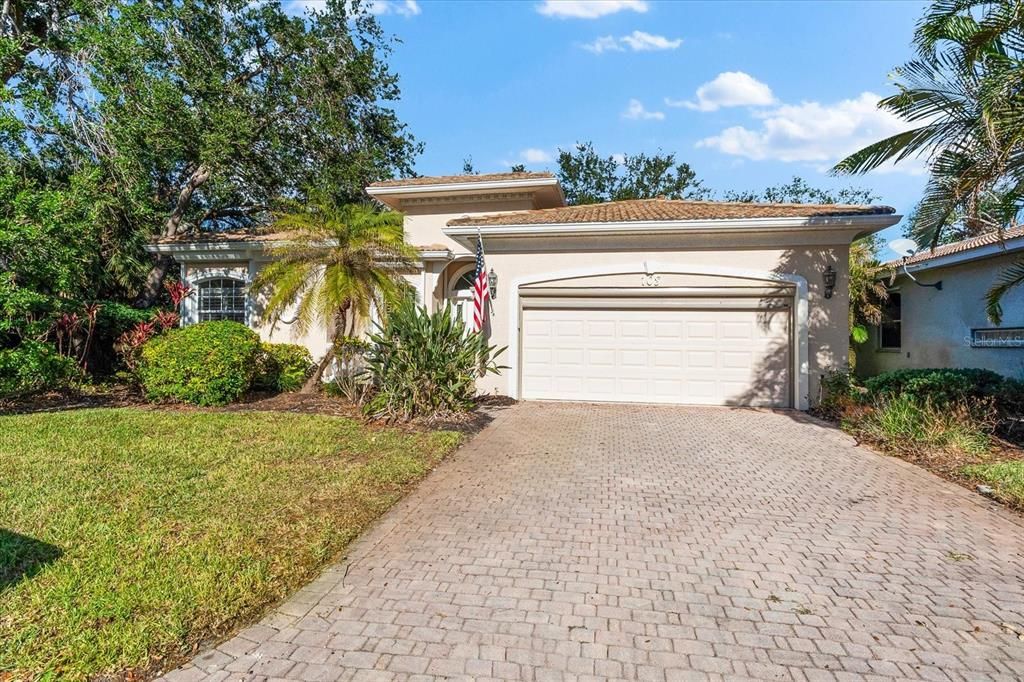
(925,326)
(653,301)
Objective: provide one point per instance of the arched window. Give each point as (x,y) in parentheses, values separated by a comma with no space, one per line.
(222,299)
(461,296)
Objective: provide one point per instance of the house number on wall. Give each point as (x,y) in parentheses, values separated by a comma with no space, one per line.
(650,280)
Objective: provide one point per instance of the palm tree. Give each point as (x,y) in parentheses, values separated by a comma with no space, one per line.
(965,96)
(867,291)
(338,261)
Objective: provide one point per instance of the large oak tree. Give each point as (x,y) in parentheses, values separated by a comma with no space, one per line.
(201,115)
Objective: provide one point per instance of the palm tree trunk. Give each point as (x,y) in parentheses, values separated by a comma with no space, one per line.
(311,382)
(325,362)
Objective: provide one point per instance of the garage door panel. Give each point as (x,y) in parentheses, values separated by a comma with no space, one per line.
(696,356)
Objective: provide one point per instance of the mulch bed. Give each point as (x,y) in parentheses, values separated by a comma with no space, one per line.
(296,403)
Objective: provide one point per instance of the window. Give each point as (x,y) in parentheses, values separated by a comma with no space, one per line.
(1005,337)
(890,332)
(222,299)
(462,296)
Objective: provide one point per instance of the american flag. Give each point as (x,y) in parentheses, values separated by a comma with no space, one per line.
(481,290)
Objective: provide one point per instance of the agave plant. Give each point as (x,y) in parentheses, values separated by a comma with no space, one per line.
(425,366)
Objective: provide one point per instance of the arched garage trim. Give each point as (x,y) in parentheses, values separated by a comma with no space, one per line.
(799,284)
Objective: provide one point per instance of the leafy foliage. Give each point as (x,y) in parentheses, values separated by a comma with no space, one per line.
(34,366)
(194,115)
(797,191)
(938,386)
(901,423)
(283,366)
(338,262)
(964,95)
(424,365)
(867,290)
(210,363)
(588,178)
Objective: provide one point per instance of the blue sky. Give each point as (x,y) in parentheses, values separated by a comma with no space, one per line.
(748,93)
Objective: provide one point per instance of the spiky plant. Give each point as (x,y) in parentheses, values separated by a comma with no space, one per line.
(337,262)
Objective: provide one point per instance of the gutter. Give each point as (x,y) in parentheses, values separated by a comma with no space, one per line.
(868,223)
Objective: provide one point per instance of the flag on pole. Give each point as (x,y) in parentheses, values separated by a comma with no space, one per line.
(481,287)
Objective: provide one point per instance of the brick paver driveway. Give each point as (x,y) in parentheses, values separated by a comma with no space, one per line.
(595,541)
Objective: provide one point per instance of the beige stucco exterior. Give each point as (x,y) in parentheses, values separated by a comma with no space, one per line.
(936,325)
(727,263)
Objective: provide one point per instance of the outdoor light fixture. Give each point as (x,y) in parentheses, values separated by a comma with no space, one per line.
(492,283)
(829,275)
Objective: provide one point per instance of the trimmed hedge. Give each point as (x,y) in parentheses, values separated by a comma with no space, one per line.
(283,366)
(940,386)
(35,366)
(210,363)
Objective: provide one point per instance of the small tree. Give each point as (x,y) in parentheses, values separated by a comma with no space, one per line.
(338,262)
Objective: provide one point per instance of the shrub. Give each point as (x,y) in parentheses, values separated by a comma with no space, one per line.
(35,366)
(283,366)
(210,363)
(423,365)
(350,380)
(902,423)
(940,386)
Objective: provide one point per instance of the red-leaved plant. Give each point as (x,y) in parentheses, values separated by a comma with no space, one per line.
(129,343)
(166,319)
(178,291)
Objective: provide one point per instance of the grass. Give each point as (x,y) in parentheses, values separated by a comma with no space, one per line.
(129,536)
(1005,478)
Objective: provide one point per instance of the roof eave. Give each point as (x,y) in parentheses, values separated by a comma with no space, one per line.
(866,224)
(1012,245)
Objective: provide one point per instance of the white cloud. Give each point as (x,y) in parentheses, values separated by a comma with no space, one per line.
(636,111)
(534,155)
(603,44)
(589,9)
(728,89)
(637,41)
(404,8)
(812,132)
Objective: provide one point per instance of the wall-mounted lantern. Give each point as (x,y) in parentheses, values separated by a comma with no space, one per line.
(829,275)
(492,283)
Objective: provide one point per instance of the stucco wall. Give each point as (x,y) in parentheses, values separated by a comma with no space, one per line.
(938,324)
(828,340)
(425,222)
(315,338)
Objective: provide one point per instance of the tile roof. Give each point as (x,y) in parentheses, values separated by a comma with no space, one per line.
(253,238)
(668,209)
(961,246)
(456,179)
(225,237)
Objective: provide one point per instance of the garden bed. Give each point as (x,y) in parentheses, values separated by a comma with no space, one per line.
(133,535)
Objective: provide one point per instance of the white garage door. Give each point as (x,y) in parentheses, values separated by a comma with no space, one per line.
(688,356)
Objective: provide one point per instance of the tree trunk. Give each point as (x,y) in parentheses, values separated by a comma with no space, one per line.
(173,226)
(311,382)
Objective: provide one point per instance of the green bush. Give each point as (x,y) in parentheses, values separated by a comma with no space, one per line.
(210,363)
(940,386)
(1010,398)
(283,366)
(423,365)
(35,366)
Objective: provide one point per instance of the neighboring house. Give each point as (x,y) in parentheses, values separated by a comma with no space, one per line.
(653,301)
(927,327)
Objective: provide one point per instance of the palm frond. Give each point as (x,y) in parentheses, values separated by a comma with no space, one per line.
(1010,278)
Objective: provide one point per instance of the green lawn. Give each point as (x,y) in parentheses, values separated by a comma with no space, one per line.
(128,535)
(1005,478)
